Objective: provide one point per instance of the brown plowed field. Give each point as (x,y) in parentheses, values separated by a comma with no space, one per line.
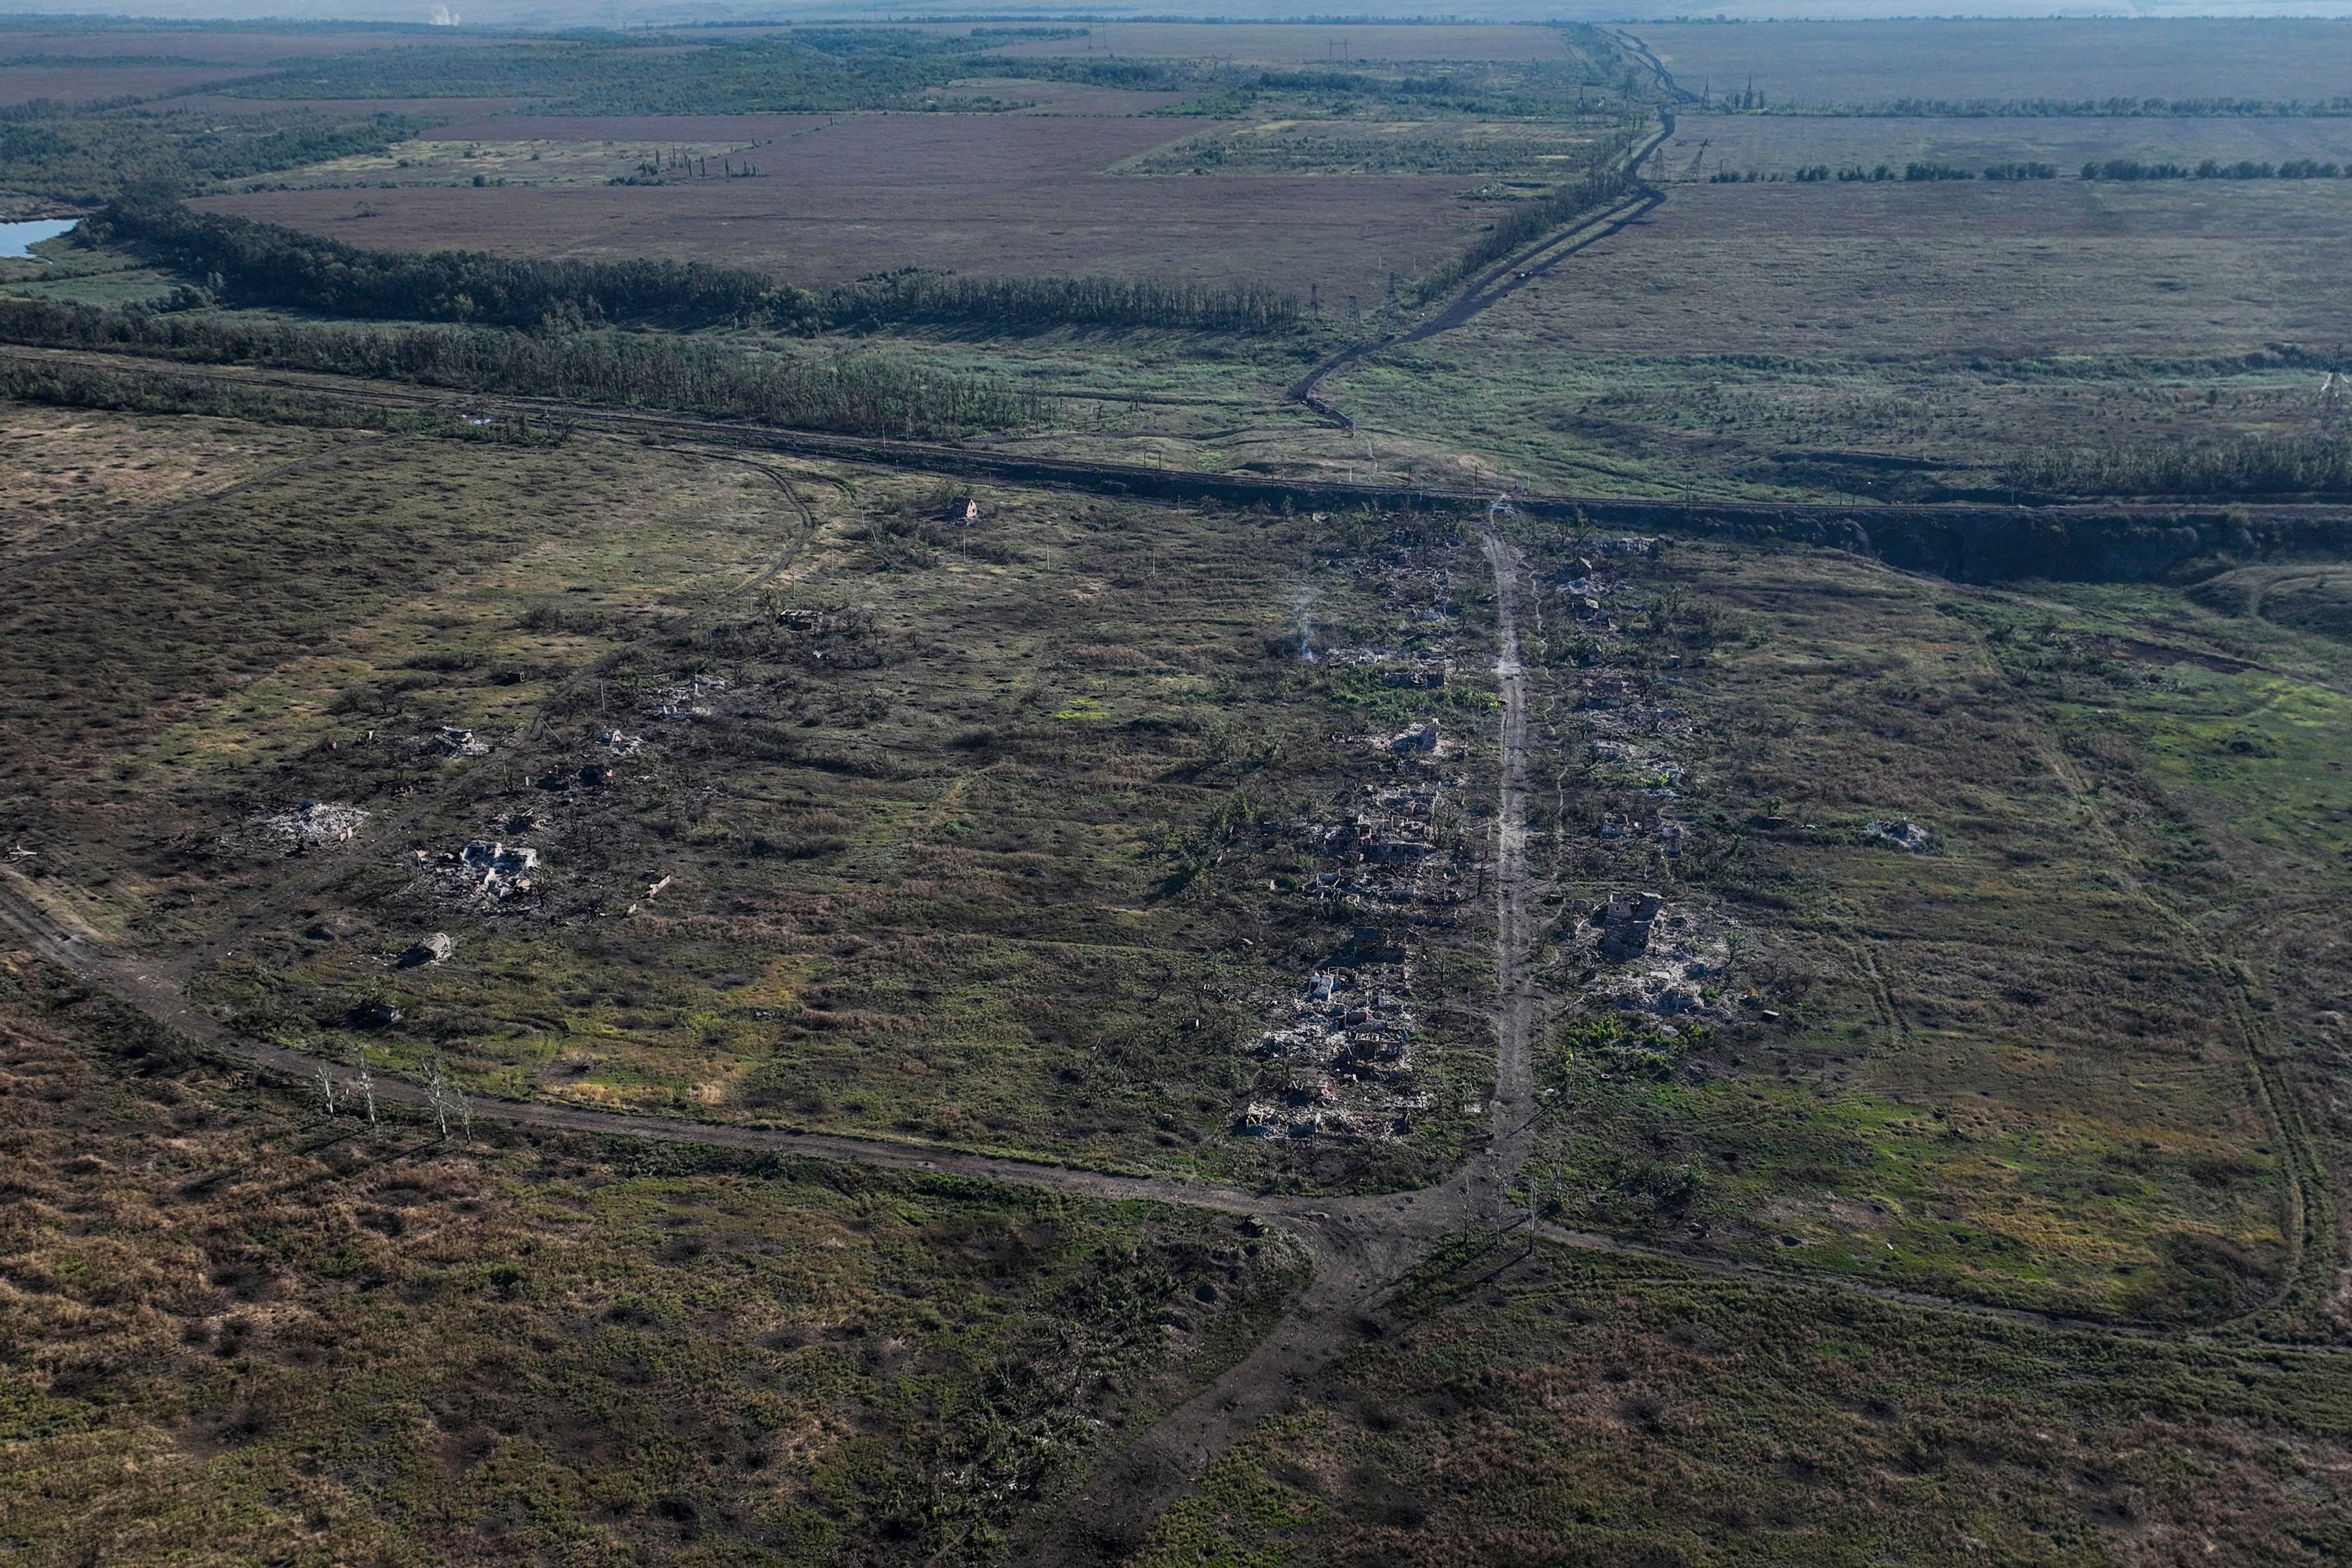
(80,83)
(252,51)
(995,193)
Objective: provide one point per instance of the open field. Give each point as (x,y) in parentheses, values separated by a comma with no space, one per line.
(78,82)
(932,1007)
(2112,798)
(1935,324)
(992,195)
(74,474)
(1821,63)
(1782,145)
(255,50)
(1300,44)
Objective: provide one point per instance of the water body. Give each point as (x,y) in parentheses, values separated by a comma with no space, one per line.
(18,239)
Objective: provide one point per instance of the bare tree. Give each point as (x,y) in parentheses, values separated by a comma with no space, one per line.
(365,1084)
(325,1079)
(447,1100)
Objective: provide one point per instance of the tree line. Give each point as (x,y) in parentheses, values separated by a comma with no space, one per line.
(247,263)
(1530,221)
(2254,466)
(861,394)
(89,155)
(2212,169)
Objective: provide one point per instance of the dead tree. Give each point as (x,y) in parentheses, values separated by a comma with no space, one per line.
(325,1079)
(365,1084)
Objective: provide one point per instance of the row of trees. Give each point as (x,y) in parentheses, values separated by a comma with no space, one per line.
(252,264)
(2212,169)
(1530,221)
(861,394)
(916,295)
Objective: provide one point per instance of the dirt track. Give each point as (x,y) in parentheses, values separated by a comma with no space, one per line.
(1360,1246)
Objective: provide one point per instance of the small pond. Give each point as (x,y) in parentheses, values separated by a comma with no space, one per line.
(16,240)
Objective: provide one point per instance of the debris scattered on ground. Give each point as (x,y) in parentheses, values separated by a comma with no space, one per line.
(621,745)
(451,741)
(486,872)
(687,701)
(1903,834)
(311,823)
(1340,1059)
(434,949)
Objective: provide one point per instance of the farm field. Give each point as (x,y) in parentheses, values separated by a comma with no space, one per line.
(1931,322)
(1800,64)
(1782,144)
(1303,42)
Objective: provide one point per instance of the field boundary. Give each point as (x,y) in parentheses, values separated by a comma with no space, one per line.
(1965,541)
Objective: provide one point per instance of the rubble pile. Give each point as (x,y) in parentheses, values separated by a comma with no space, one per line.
(450,741)
(1644,955)
(1639,951)
(486,872)
(1903,835)
(311,823)
(1339,1059)
(687,701)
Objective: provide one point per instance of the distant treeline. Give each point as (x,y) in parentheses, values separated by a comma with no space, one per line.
(2257,466)
(245,263)
(2245,169)
(863,395)
(1817,172)
(89,155)
(2052,108)
(914,295)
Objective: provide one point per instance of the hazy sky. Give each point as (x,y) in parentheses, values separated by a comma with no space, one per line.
(601,12)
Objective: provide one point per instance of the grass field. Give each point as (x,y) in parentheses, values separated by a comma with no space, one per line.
(1782,144)
(1533,1405)
(1824,63)
(936,866)
(1723,341)
(2028,1077)
(234,1331)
